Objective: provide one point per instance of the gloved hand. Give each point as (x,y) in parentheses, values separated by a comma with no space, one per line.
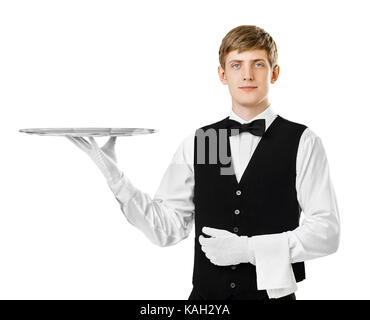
(225,248)
(104,158)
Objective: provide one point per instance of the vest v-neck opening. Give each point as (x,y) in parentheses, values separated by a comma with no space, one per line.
(240,183)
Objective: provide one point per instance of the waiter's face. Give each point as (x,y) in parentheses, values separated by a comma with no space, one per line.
(248,68)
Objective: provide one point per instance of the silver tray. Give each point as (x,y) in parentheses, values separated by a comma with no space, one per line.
(88,132)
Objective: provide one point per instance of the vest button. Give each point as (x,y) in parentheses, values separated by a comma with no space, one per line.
(238,192)
(235,229)
(232,285)
(236,211)
(233,267)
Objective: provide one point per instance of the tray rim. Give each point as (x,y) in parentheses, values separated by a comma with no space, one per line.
(84,131)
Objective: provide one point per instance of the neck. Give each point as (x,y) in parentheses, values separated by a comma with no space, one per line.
(248,112)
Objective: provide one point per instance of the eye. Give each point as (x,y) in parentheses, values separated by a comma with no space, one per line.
(259,64)
(235,64)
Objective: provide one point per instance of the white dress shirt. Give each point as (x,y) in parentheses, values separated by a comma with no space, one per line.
(169,217)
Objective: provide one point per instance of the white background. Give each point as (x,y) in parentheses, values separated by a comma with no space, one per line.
(154,64)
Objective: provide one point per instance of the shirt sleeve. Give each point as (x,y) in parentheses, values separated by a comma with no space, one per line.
(318,233)
(169,216)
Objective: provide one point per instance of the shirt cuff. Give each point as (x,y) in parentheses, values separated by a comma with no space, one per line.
(273,266)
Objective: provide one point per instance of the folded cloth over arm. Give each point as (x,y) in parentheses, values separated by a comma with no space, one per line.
(272,259)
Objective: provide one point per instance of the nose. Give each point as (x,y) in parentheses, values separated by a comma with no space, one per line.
(247,74)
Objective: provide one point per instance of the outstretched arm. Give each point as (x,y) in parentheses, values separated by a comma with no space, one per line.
(168,217)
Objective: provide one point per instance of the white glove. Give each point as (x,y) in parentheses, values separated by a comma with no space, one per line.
(225,248)
(104,158)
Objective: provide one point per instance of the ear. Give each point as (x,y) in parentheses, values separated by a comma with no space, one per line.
(275,73)
(222,75)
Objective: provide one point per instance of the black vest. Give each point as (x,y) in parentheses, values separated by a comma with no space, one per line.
(265,197)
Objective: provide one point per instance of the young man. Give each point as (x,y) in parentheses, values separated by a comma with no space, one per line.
(247,200)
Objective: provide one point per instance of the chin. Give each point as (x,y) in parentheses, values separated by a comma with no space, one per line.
(247,103)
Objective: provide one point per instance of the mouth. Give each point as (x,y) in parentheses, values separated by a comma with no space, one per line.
(247,88)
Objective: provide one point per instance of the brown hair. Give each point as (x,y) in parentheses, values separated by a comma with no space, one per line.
(248,37)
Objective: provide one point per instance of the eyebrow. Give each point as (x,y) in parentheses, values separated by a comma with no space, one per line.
(254,60)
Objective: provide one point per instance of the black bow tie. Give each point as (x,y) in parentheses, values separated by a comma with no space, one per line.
(256,127)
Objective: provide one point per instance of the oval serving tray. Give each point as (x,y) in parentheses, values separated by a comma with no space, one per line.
(88,132)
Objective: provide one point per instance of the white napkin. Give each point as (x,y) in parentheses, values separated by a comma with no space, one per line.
(273,266)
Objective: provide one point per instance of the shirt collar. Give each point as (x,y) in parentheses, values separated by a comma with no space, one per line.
(268,114)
